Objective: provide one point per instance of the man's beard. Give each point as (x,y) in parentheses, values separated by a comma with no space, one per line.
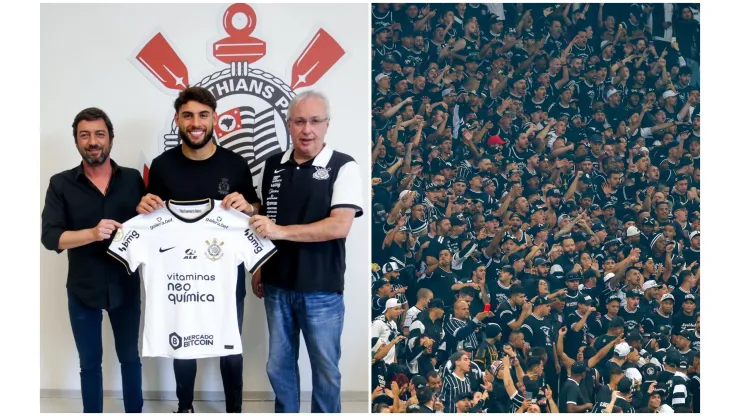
(95,160)
(207,138)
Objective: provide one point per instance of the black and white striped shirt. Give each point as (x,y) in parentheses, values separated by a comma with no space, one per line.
(465,170)
(431,211)
(463,331)
(452,385)
(679,391)
(517,400)
(400,296)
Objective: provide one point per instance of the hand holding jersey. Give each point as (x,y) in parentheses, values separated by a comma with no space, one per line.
(191,251)
(105,229)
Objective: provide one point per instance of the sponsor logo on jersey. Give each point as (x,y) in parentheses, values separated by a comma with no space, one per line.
(214,251)
(192,276)
(256,243)
(321,174)
(160,223)
(218,222)
(190,254)
(130,236)
(186,297)
(177,342)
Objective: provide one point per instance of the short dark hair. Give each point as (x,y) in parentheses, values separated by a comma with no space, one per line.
(424,395)
(468,291)
(432,374)
(197,94)
(685,274)
(516,290)
(91,114)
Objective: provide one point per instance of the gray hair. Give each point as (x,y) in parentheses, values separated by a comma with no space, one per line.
(308,95)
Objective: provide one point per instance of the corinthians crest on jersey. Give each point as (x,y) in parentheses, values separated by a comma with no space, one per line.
(214,251)
(252,103)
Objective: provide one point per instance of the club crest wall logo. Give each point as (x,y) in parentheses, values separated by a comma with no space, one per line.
(252,102)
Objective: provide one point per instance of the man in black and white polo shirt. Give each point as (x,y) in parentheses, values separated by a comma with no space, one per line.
(310,197)
(456,382)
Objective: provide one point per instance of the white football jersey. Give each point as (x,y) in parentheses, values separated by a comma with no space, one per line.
(190,253)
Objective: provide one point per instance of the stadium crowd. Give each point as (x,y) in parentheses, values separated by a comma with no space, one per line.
(536,194)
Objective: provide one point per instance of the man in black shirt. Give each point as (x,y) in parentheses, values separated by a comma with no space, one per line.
(199,169)
(571,400)
(442,279)
(83,208)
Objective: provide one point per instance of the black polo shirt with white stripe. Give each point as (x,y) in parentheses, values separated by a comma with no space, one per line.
(301,194)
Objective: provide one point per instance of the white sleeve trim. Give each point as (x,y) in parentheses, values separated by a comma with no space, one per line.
(348,188)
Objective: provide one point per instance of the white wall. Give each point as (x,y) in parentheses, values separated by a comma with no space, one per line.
(85,61)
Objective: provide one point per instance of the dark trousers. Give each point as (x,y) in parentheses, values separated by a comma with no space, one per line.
(232,367)
(86,328)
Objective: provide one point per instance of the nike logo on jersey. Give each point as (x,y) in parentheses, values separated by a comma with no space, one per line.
(279,170)
(161,250)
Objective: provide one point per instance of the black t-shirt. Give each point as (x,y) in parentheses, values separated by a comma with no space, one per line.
(632,319)
(599,343)
(623,404)
(574,339)
(505,315)
(570,392)
(174,176)
(440,283)
(377,306)
(500,293)
(538,333)
(606,370)
(682,321)
(655,320)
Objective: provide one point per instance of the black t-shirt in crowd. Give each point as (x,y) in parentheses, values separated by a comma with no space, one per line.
(570,392)
(440,283)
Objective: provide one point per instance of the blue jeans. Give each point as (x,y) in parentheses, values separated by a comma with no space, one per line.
(86,328)
(320,316)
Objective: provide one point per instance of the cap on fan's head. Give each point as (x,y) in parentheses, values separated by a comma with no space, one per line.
(579,367)
(622,350)
(632,231)
(390,267)
(380,283)
(541,261)
(391,303)
(572,276)
(624,385)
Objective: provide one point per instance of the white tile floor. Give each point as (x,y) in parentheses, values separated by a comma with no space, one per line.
(56,405)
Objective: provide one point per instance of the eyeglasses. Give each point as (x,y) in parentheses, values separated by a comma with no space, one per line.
(301,122)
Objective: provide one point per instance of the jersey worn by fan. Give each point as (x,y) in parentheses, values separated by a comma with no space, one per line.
(190,252)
